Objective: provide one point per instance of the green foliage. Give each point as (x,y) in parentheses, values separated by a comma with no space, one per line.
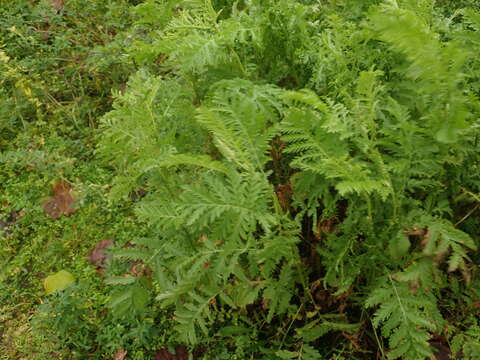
(407,317)
(376,110)
(219,215)
(65,314)
(435,66)
(304,177)
(131,299)
(467,342)
(66,318)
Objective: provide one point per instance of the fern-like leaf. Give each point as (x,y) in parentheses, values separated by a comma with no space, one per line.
(405,318)
(240,116)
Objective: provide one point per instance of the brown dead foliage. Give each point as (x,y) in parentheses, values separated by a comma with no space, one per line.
(98,256)
(181,353)
(284,194)
(120,355)
(139,269)
(61,202)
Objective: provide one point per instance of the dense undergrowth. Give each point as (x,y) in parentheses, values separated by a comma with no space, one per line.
(280,179)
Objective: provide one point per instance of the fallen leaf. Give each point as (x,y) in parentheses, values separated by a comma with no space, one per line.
(120,354)
(140,269)
(61,203)
(98,256)
(58,281)
(181,353)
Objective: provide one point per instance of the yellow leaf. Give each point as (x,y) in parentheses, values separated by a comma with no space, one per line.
(58,281)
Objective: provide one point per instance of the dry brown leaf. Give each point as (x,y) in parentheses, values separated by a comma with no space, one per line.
(62,201)
(120,355)
(140,269)
(98,256)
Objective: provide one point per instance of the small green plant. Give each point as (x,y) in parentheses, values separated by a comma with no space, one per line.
(64,316)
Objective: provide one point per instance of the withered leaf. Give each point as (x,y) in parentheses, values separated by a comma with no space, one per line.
(120,354)
(181,353)
(98,256)
(140,269)
(62,201)
(284,194)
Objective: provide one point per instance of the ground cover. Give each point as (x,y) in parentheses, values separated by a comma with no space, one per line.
(239,179)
